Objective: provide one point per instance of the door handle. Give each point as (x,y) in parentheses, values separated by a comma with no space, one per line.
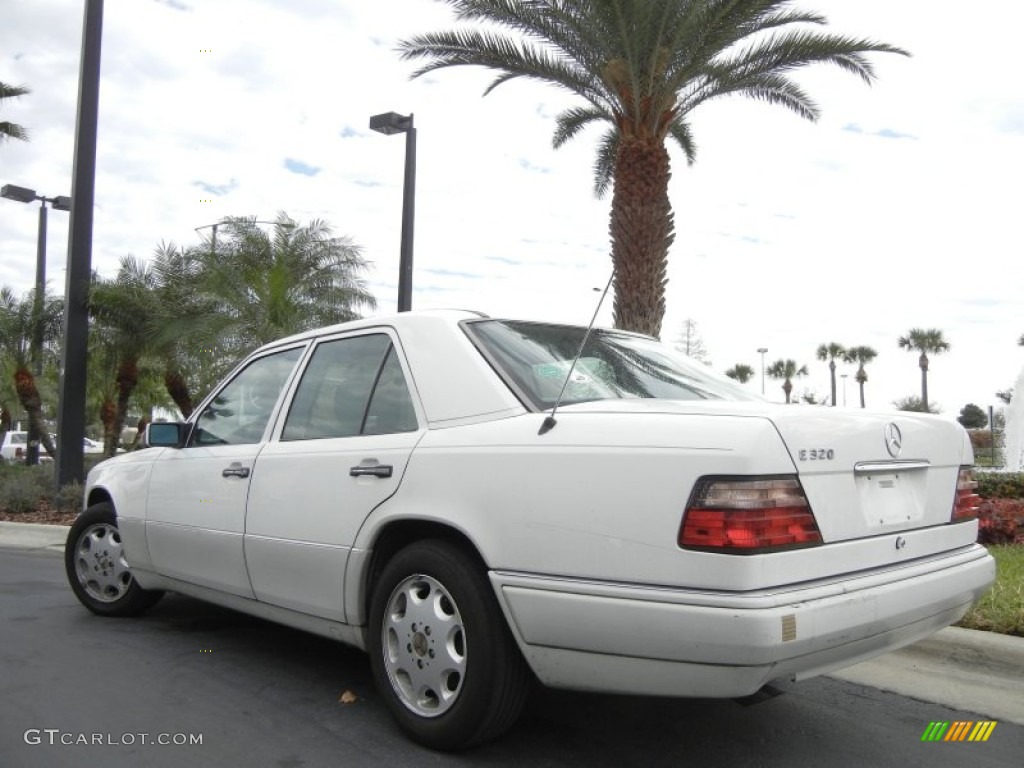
(235,470)
(377,470)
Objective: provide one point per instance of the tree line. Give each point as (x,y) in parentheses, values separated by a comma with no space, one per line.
(163,331)
(924,341)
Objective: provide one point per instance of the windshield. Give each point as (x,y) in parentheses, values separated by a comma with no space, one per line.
(534,359)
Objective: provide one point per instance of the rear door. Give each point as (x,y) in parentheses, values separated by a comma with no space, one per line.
(197,495)
(341,450)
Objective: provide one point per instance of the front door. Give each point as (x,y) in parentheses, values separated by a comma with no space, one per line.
(198,494)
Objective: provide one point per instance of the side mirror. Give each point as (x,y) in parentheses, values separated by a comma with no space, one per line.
(170,434)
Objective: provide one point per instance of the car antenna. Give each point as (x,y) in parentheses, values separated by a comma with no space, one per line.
(549,420)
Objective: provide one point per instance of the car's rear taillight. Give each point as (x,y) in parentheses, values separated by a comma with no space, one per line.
(965,506)
(748,516)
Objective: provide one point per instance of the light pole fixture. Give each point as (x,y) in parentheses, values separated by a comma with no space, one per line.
(213,228)
(763,351)
(61,203)
(390,123)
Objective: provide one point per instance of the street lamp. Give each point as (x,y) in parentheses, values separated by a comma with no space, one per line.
(843,377)
(390,123)
(762,350)
(61,203)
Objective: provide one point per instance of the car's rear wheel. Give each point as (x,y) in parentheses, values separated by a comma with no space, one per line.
(97,569)
(442,656)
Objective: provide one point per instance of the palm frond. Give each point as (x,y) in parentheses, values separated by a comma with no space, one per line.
(573,120)
(604,163)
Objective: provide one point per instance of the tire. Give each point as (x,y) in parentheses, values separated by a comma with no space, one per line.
(96,567)
(441,653)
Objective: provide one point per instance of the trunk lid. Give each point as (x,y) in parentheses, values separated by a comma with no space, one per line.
(865,473)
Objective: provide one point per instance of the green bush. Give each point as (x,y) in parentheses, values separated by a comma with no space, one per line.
(69,497)
(20,493)
(1000,485)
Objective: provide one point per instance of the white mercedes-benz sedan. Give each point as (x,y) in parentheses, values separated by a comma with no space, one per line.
(402,484)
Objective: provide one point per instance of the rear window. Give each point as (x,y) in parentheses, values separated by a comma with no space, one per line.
(535,358)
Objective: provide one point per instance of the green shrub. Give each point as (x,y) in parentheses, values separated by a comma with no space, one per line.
(69,497)
(1000,485)
(20,493)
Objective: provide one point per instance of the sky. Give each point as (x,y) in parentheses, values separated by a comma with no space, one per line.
(899,208)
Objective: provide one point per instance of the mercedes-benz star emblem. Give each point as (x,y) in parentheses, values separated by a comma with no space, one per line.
(893,439)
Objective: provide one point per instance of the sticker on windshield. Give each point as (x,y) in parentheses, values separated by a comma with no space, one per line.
(591,379)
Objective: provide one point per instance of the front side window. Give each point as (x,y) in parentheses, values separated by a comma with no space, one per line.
(534,359)
(240,412)
(353,386)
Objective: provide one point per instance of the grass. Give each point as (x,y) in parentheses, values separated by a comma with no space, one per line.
(1002,607)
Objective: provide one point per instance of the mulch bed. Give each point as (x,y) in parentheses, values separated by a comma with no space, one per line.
(45,514)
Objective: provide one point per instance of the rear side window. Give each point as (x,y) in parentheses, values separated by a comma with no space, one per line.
(351,387)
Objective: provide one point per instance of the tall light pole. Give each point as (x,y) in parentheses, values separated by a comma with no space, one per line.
(390,123)
(71,407)
(762,350)
(61,203)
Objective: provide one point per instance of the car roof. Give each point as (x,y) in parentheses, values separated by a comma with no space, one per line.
(454,381)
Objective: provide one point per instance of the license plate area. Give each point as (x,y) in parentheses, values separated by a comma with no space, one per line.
(891,498)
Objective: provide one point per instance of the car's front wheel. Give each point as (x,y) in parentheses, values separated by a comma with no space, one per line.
(97,569)
(441,653)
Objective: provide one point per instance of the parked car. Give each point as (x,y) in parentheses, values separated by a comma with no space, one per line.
(14,446)
(402,484)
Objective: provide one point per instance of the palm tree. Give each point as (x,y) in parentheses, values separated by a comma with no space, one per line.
(742,373)
(830,352)
(18,323)
(786,370)
(12,130)
(123,309)
(926,341)
(642,68)
(178,327)
(266,286)
(862,356)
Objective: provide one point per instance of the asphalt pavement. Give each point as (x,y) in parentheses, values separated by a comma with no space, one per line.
(981,672)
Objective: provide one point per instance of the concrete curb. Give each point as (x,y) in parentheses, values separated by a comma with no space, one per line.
(980,672)
(33,536)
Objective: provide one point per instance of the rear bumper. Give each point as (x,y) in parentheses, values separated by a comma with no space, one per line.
(658,641)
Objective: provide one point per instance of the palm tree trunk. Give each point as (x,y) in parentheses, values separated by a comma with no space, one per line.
(862,395)
(140,431)
(832,371)
(127,379)
(641,230)
(5,424)
(787,387)
(177,388)
(28,396)
(923,362)
(108,412)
